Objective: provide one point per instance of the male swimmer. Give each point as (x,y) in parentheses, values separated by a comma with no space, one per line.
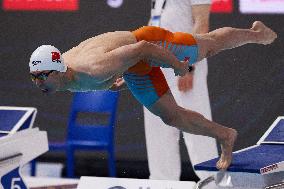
(98,62)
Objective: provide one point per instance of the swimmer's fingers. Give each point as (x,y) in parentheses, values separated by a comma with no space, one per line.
(119,82)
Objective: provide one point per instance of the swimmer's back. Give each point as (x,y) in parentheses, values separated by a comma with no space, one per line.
(95,47)
(109,41)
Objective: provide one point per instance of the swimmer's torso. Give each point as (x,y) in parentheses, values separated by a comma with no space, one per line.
(90,51)
(85,82)
(88,57)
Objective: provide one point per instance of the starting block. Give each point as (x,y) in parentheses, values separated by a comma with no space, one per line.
(19,144)
(258,166)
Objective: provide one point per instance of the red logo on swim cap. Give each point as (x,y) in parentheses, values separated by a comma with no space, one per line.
(55,57)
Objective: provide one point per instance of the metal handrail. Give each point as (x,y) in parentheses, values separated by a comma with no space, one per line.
(276,186)
(204,182)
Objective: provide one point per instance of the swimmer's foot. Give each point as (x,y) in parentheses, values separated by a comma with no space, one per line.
(265,35)
(227,144)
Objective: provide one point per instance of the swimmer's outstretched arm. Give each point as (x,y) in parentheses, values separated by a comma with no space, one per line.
(227,38)
(119,60)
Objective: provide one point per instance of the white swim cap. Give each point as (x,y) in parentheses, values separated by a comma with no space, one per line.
(47,57)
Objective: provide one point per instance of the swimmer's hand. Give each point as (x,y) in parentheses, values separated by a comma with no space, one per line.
(182,69)
(117,84)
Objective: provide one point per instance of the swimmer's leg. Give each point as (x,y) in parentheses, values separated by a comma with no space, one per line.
(195,48)
(227,38)
(193,122)
(153,92)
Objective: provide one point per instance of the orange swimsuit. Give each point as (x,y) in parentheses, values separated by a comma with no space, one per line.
(145,80)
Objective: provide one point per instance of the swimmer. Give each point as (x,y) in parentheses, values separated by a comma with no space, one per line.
(99,63)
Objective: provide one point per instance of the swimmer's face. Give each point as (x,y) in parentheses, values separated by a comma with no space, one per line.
(47,81)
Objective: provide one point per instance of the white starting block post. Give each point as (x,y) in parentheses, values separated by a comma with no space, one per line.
(125,183)
(19,144)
